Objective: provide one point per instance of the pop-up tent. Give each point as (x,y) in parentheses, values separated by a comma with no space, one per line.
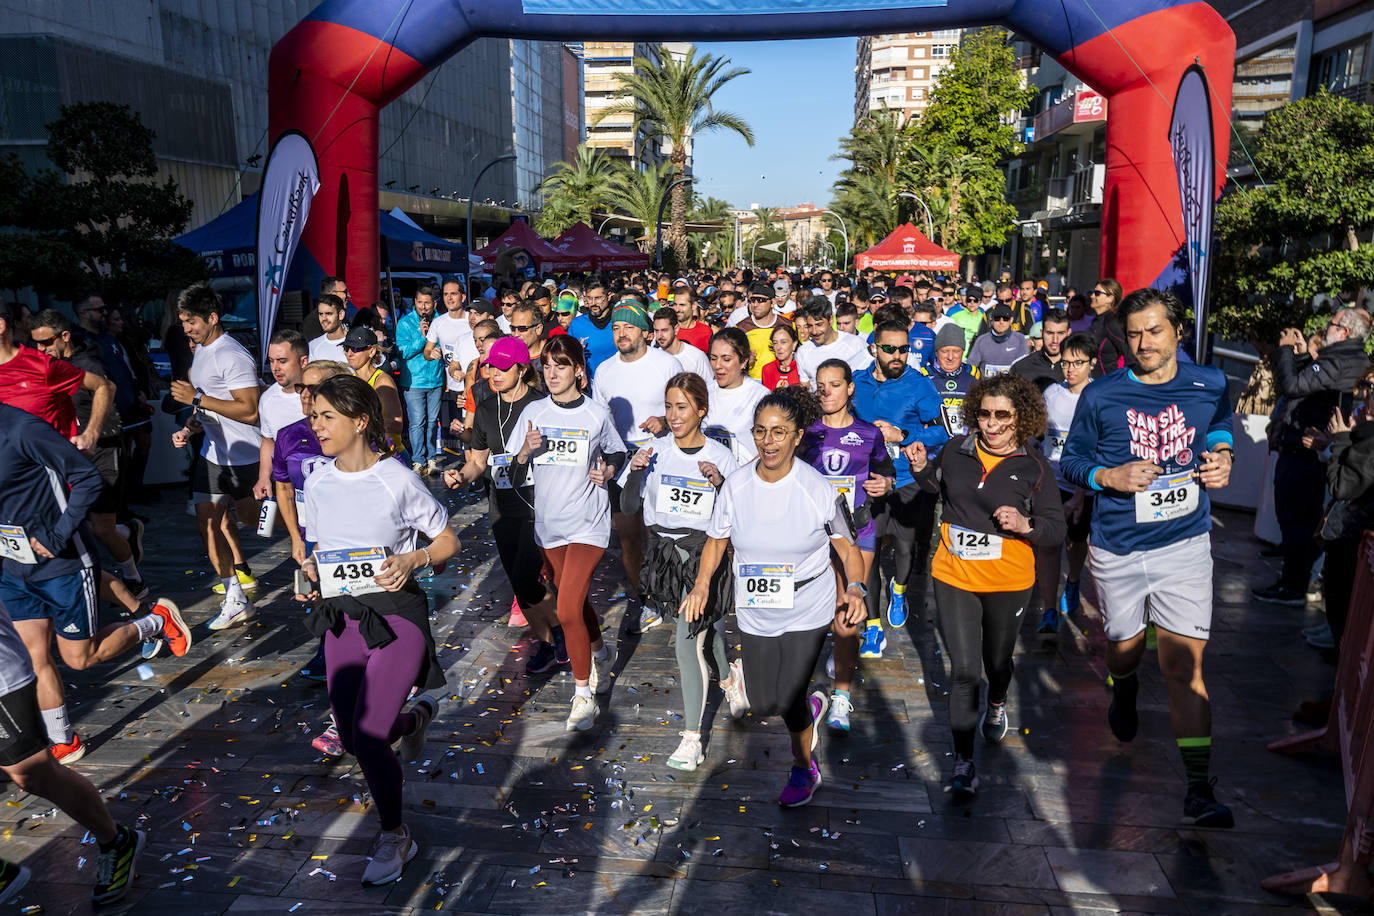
(544,255)
(579,239)
(906,249)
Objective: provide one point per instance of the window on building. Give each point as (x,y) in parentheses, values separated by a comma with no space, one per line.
(944,50)
(916,52)
(1340,69)
(916,94)
(917,73)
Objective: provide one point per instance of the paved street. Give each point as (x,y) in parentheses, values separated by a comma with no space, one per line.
(211,755)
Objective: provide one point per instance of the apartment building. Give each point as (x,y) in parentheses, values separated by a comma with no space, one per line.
(898,71)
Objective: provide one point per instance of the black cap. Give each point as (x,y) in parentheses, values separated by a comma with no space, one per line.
(761,289)
(361,336)
(1000,310)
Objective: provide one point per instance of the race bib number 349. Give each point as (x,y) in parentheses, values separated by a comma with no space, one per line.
(566,448)
(759,585)
(1167,498)
(350,571)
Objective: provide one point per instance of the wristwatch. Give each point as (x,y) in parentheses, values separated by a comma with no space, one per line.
(195,401)
(860,586)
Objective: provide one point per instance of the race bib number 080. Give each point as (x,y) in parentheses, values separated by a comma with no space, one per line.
(351,571)
(759,585)
(14,545)
(967,544)
(685,497)
(1167,498)
(565,448)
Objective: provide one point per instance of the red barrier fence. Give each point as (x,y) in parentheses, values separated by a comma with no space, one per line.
(1349,731)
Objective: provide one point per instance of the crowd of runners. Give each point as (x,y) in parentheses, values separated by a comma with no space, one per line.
(807,453)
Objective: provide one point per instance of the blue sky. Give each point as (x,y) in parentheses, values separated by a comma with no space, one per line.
(799,99)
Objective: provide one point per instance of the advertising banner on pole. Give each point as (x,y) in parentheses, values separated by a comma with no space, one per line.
(1191,138)
(289,183)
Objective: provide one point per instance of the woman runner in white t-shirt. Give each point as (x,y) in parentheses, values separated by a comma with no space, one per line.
(783,519)
(374,617)
(675,481)
(570,445)
(734,394)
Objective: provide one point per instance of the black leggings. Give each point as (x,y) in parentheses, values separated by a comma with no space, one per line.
(978,628)
(520,558)
(777,671)
(907,515)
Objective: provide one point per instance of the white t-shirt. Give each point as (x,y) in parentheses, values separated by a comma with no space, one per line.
(1060,404)
(781,523)
(693,360)
(218,369)
(849,347)
(633,392)
(671,461)
(730,416)
(276,409)
(568,507)
(454,337)
(398,506)
(740,313)
(324,348)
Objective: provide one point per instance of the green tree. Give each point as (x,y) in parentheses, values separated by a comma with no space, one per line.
(103,221)
(637,195)
(574,190)
(671,100)
(721,240)
(1298,234)
(971,99)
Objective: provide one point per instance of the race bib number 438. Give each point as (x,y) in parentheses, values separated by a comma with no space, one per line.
(1167,498)
(350,571)
(759,585)
(565,448)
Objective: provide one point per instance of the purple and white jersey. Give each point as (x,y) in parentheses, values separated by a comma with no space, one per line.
(295,457)
(845,456)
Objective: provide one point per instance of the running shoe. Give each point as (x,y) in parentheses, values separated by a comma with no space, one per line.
(232,612)
(517,616)
(1201,808)
(1049,621)
(964,783)
(432,469)
(390,853)
(1071,600)
(874,642)
(12,880)
(116,869)
(688,755)
(135,539)
(819,704)
(801,786)
(151,647)
(137,587)
(994,724)
(896,607)
(541,659)
(1122,716)
(174,628)
(601,671)
(583,714)
(413,742)
(327,742)
(246,580)
(1322,638)
(560,647)
(840,708)
(418,468)
(735,696)
(648,619)
(1276,594)
(70,752)
(314,669)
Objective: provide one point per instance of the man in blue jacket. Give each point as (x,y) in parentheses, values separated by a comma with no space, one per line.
(904,405)
(422,380)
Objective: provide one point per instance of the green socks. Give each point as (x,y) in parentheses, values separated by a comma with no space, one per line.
(1197,759)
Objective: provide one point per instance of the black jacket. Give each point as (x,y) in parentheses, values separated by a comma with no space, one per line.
(1038,368)
(1022,480)
(1112,352)
(1311,389)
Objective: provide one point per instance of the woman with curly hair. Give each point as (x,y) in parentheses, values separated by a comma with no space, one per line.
(999,500)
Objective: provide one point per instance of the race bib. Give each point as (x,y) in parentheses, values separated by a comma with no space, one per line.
(990,371)
(967,544)
(14,545)
(637,438)
(1167,498)
(759,585)
(1054,442)
(685,497)
(565,448)
(844,486)
(723,436)
(300,506)
(952,415)
(500,471)
(351,571)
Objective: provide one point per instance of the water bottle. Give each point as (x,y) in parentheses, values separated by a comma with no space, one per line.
(267,518)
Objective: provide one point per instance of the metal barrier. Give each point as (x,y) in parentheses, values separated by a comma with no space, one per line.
(1350,732)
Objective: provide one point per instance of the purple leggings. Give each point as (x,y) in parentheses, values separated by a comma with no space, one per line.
(367,688)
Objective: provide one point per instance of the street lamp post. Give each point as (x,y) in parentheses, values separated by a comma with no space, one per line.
(658,228)
(509,157)
(930,224)
(844,231)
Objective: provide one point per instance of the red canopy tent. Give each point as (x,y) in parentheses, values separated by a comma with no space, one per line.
(579,239)
(545,256)
(906,249)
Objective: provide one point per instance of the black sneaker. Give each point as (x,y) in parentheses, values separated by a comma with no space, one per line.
(995,723)
(1274,594)
(541,659)
(116,870)
(1201,808)
(136,528)
(12,880)
(314,669)
(964,783)
(560,647)
(1123,717)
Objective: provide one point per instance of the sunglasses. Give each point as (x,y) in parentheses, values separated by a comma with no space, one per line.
(1001,318)
(1097,292)
(358,349)
(522,328)
(44,342)
(309,389)
(1003,415)
(889,349)
(759,299)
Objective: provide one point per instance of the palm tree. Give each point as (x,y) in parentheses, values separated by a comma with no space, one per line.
(671,100)
(722,239)
(638,195)
(575,189)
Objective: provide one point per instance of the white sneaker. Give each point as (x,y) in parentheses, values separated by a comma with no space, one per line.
(734,693)
(840,707)
(583,714)
(688,755)
(601,671)
(648,619)
(390,853)
(234,611)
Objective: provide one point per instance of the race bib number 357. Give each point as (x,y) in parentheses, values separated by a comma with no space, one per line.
(351,571)
(566,448)
(760,585)
(685,497)
(1167,498)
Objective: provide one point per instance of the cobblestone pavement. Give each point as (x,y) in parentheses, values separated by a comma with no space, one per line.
(211,755)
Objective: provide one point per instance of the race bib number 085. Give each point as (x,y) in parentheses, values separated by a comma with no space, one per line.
(1167,498)
(759,585)
(565,448)
(350,571)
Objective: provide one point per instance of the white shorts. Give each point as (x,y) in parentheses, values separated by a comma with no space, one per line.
(1173,582)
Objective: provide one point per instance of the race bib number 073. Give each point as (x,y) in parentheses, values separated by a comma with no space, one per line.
(14,545)
(351,571)
(760,585)
(1167,498)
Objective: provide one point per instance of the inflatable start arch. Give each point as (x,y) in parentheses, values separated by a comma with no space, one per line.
(332,73)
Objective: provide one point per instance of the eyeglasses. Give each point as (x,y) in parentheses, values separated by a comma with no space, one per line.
(1001,318)
(522,328)
(1001,415)
(1097,292)
(1076,363)
(779,433)
(358,349)
(827,280)
(309,389)
(44,342)
(889,349)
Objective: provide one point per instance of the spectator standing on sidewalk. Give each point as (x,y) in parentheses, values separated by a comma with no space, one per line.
(422,380)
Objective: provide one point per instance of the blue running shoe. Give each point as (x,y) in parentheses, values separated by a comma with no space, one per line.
(896,608)
(874,642)
(1049,621)
(1069,602)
